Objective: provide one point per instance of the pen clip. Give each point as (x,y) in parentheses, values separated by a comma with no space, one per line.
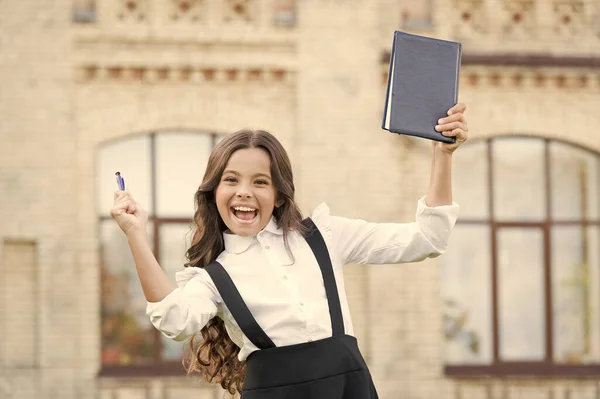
(120,181)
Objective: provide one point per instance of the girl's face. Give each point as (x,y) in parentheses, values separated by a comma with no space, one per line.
(245,195)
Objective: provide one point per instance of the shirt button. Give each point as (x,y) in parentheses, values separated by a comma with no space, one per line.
(301,303)
(267,247)
(285,277)
(262,234)
(309,340)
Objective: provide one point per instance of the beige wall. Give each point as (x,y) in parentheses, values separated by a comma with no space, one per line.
(59,98)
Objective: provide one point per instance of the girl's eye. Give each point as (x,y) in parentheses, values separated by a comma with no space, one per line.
(261,182)
(230,179)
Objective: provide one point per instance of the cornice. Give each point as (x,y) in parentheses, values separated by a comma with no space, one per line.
(519,71)
(95,73)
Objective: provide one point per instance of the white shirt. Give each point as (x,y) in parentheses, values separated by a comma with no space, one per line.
(287,298)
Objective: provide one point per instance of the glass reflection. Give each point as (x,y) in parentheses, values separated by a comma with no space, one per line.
(518,176)
(575,278)
(181,160)
(575,180)
(466,273)
(521,315)
(470,179)
(127,335)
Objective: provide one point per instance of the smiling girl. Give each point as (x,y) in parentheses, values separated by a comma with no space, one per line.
(262,299)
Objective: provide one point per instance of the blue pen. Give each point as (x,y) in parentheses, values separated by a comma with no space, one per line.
(120,181)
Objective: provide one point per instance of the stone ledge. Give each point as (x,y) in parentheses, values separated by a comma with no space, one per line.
(187,74)
(510,77)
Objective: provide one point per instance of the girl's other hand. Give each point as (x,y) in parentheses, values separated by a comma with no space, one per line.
(453,125)
(129,215)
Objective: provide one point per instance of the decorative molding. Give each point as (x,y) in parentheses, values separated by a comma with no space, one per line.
(540,71)
(187,10)
(526,18)
(181,74)
(531,60)
(240,11)
(133,10)
(521,78)
(200,14)
(521,60)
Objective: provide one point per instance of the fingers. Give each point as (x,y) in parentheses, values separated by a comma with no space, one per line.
(457,117)
(120,195)
(454,129)
(458,108)
(451,126)
(124,202)
(460,134)
(454,125)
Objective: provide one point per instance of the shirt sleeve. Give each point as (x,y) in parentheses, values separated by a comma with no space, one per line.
(359,242)
(188,308)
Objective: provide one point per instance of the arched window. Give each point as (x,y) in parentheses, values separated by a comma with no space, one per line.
(162,171)
(521,278)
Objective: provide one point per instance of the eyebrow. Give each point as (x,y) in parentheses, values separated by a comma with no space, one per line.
(239,174)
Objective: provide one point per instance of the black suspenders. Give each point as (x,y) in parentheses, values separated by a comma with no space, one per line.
(232,298)
(242,314)
(317,245)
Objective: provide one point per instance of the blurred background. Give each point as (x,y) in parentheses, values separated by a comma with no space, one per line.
(147,87)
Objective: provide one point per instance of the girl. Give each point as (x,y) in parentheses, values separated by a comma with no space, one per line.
(264,287)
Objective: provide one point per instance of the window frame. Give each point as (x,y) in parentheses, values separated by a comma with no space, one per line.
(159,367)
(547,367)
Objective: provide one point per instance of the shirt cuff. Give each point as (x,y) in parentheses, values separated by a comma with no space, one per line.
(158,312)
(182,277)
(158,308)
(436,223)
(422,205)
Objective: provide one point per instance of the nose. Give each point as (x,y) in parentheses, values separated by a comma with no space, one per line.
(243,192)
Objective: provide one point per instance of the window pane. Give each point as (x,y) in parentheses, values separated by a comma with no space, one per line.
(575,183)
(181,160)
(518,179)
(127,335)
(575,294)
(471,181)
(174,242)
(284,12)
(84,10)
(521,317)
(466,294)
(131,157)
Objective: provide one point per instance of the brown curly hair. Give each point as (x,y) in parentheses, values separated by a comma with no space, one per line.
(216,356)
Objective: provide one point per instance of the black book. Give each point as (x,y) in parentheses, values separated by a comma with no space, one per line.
(422,85)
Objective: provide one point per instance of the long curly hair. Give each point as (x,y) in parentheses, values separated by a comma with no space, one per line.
(215,356)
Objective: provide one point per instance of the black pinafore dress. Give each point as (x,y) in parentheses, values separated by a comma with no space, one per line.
(330,368)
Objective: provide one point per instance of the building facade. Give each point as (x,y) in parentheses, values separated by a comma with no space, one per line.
(147,87)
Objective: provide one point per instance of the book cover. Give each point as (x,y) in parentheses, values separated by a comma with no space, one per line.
(422,85)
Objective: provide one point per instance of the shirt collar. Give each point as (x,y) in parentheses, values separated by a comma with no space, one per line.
(237,244)
(271,227)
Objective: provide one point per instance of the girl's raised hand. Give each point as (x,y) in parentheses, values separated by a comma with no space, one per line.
(455,125)
(129,215)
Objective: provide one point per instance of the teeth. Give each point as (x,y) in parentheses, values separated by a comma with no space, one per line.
(243,209)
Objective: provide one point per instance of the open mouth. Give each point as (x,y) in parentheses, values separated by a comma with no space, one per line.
(244,214)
